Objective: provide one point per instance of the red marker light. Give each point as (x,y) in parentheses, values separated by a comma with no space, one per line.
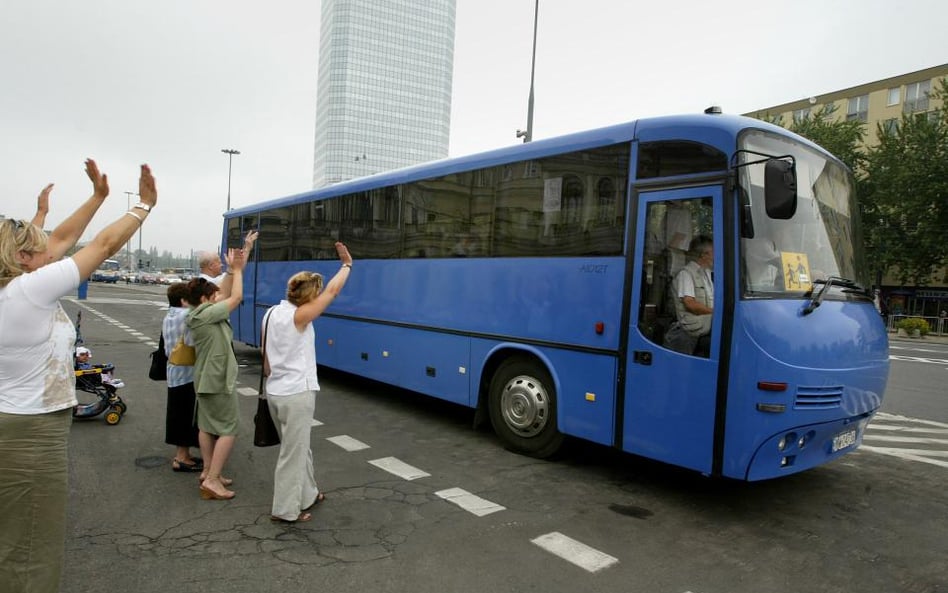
(771,386)
(600,327)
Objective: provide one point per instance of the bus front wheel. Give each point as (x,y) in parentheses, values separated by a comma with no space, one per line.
(523,407)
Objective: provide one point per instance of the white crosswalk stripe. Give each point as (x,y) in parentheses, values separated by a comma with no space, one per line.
(576,552)
(399,468)
(925,441)
(348,443)
(469,502)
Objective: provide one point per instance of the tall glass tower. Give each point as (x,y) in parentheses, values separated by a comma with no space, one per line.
(383,95)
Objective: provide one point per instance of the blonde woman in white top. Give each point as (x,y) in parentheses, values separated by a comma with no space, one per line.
(37,383)
(290,366)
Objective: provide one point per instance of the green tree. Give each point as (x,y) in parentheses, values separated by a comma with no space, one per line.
(905,194)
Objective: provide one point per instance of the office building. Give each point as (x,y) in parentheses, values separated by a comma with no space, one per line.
(383,95)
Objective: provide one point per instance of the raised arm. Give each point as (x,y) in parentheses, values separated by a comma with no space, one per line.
(65,236)
(308,312)
(226,286)
(113,237)
(42,207)
(235,275)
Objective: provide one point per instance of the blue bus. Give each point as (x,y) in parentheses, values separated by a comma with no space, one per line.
(536,284)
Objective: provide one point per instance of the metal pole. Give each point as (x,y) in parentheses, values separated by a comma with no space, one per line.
(529,135)
(230,157)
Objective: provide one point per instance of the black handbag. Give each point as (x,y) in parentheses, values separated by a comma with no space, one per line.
(264,430)
(158,371)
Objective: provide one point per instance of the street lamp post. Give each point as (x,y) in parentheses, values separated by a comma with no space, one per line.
(527,134)
(128,244)
(230,158)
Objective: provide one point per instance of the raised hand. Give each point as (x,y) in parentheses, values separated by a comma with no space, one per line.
(146,187)
(343,252)
(100,181)
(42,206)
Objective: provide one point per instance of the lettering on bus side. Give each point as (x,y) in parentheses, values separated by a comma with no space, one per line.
(593,268)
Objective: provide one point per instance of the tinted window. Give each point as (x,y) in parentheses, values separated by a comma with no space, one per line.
(666,159)
(566,205)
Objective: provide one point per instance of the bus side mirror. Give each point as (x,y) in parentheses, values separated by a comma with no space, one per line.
(780,189)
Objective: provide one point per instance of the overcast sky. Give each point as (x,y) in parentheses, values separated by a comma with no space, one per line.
(173,82)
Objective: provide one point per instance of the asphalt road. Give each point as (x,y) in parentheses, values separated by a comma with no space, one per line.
(430,505)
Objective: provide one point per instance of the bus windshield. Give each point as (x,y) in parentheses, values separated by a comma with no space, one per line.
(821,240)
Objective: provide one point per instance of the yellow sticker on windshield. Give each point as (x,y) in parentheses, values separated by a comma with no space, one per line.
(796,271)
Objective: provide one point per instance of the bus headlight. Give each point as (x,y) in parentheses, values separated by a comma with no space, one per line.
(785,440)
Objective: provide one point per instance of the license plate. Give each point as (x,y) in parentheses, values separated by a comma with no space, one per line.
(844,439)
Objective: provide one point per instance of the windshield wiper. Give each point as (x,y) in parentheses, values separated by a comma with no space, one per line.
(831,281)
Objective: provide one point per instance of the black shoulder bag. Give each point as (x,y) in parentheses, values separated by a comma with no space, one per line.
(264,430)
(158,371)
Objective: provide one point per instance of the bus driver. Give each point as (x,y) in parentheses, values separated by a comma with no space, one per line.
(694,301)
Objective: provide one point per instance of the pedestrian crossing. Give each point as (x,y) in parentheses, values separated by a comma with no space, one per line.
(912,439)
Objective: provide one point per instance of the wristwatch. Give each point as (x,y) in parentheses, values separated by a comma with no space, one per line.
(143,206)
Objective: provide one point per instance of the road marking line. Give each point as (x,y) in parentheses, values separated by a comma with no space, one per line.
(576,552)
(902,453)
(916,452)
(470,502)
(316,423)
(896,418)
(347,442)
(248,391)
(399,468)
(897,428)
(900,439)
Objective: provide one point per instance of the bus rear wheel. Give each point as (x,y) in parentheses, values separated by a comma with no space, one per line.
(523,407)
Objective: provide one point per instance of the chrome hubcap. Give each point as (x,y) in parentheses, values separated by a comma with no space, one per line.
(525,406)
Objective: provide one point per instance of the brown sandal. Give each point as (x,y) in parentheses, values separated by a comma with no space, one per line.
(303,518)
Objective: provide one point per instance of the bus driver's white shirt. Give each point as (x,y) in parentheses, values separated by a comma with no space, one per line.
(291,353)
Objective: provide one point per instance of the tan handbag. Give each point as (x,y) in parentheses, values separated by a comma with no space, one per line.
(182,355)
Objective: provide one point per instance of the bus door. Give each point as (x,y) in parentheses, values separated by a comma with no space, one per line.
(671,370)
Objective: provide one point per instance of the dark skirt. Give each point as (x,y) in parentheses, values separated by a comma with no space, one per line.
(180,428)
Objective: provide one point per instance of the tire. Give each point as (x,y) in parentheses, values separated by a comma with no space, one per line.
(121,407)
(112,417)
(523,407)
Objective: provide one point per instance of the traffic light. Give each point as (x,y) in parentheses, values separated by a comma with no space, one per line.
(139,264)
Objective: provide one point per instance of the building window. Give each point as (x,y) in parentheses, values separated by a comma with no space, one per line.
(916,96)
(800,115)
(894,96)
(891,125)
(858,108)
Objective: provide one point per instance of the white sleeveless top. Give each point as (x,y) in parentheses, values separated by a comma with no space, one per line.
(292,353)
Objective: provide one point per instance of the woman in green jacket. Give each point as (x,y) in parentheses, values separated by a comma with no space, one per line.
(215,371)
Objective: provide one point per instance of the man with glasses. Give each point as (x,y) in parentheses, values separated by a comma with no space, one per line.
(694,301)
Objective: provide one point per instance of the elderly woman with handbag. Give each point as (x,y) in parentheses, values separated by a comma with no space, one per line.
(215,372)
(290,366)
